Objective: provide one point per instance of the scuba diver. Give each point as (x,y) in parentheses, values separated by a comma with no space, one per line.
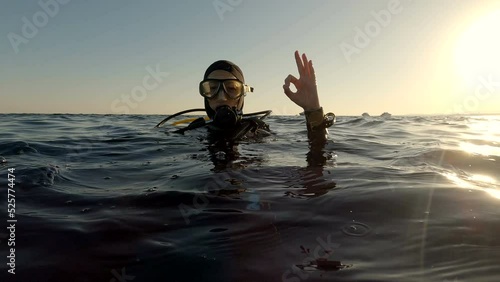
(223,89)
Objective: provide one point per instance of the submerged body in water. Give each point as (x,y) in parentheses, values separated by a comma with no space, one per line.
(395,199)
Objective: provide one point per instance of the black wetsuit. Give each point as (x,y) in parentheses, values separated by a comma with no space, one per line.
(247,128)
(226,140)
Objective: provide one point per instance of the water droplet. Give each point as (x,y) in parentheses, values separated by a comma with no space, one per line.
(356,229)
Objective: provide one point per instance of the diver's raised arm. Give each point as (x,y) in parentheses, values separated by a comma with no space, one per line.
(306,97)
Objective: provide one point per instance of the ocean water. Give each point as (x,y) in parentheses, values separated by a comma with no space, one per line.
(110,198)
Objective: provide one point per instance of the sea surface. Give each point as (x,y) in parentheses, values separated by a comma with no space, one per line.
(111,198)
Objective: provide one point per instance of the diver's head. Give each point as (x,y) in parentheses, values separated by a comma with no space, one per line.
(223,87)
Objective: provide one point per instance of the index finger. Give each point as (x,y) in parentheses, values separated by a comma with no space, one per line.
(300,66)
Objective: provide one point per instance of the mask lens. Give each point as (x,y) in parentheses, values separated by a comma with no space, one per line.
(233,88)
(208,88)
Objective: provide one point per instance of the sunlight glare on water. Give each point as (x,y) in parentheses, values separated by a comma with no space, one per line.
(486,131)
(484,150)
(480,180)
(486,127)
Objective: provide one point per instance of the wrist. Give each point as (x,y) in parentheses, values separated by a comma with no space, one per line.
(311,109)
(314,117)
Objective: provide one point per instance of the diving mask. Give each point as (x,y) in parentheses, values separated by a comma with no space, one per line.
(233,88)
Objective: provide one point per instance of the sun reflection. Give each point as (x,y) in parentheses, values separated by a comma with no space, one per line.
(489,125)
(477,178)
(485,150)
(457,180)
(488,128)
(493,192)
(482,178)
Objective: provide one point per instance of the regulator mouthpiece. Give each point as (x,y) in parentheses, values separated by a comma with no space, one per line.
(226,117)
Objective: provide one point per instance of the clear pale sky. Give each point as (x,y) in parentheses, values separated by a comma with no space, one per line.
(403,57)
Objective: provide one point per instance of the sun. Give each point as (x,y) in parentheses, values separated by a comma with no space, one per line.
(477,51)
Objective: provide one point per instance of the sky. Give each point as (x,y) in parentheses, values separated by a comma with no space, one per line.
(147,57)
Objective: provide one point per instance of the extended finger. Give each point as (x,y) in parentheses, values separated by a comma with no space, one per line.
(300,66)
(306,64)
(313,73)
